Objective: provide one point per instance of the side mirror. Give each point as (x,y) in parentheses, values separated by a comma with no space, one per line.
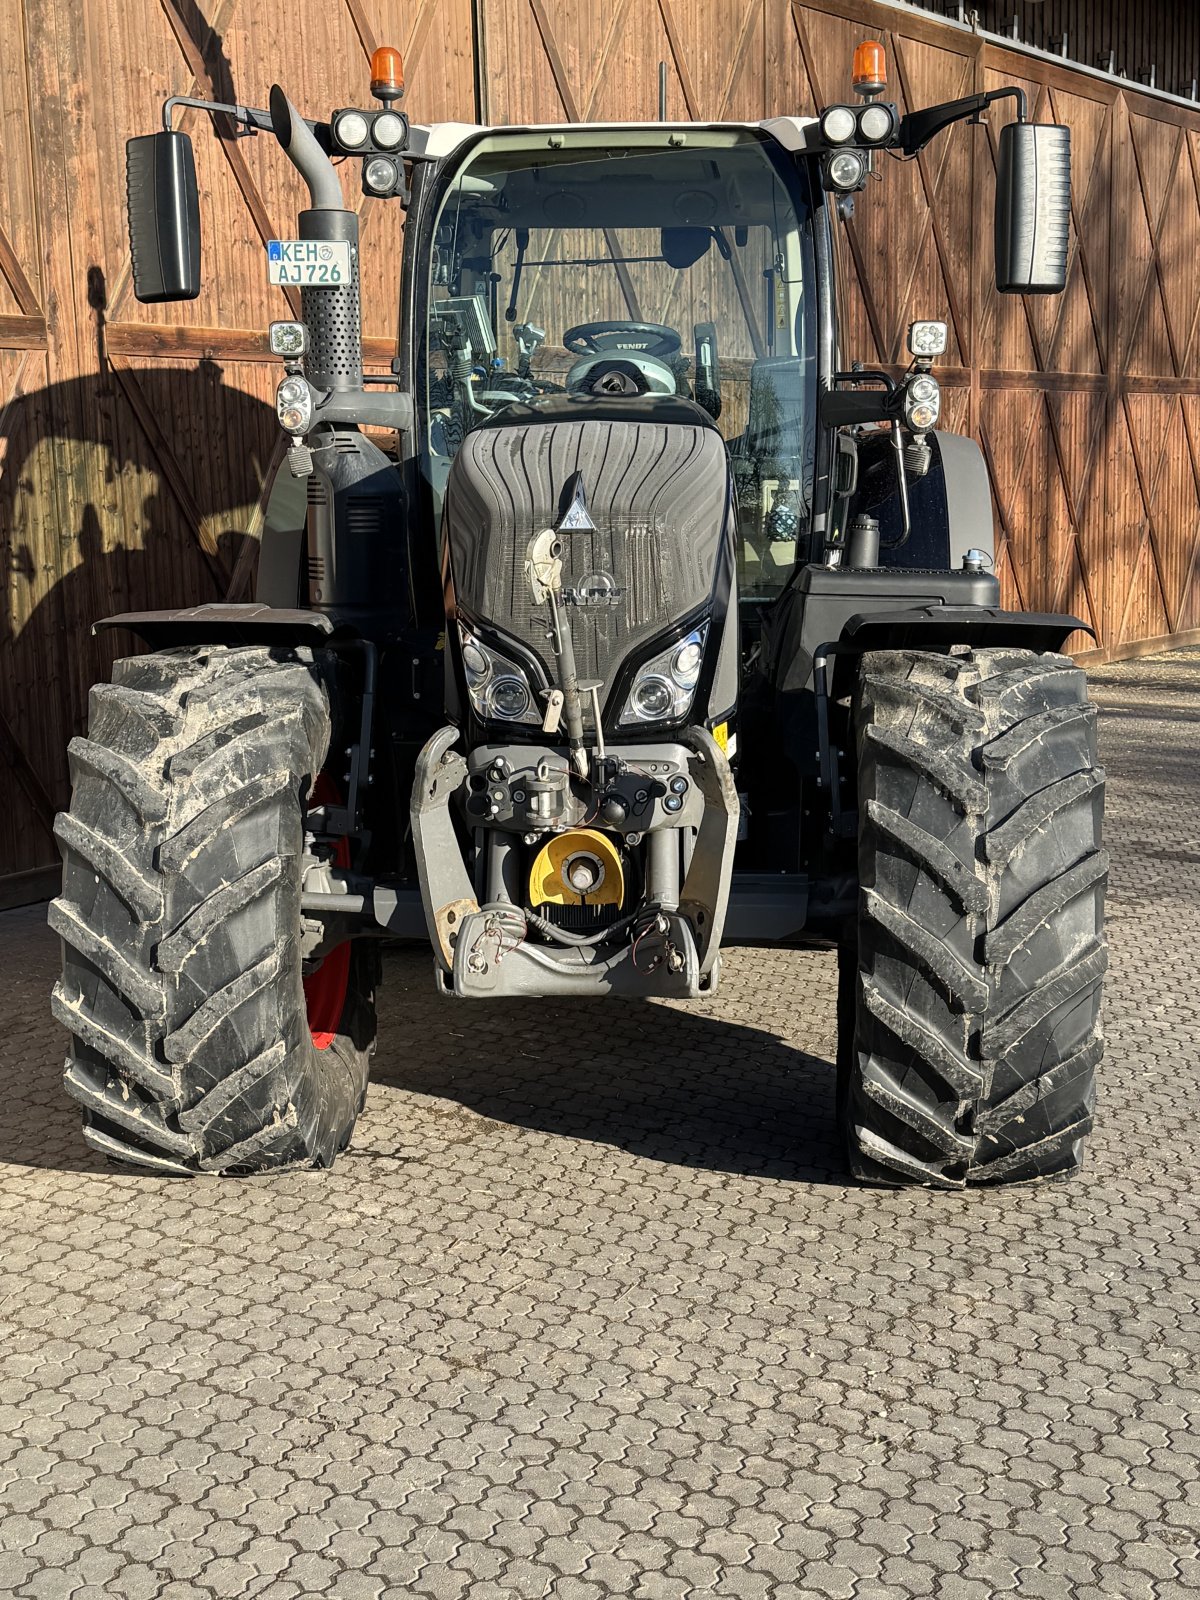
(163,204)
(1033,208)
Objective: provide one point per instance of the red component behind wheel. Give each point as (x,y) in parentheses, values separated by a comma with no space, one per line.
(325,989)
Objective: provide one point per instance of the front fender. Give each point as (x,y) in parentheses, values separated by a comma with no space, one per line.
(941,627)
(220,622)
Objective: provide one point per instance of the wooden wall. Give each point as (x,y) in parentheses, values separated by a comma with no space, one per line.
(134,441)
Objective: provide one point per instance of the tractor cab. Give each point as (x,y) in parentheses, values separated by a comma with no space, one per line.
(569,269)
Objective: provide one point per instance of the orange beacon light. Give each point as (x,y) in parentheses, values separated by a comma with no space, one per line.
(869,73)
(387,73)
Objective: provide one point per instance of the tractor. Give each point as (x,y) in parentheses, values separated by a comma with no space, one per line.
(625,619)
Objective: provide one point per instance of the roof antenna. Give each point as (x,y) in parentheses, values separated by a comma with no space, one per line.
(662,91)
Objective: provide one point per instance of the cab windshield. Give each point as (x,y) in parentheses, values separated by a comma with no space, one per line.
(630,269)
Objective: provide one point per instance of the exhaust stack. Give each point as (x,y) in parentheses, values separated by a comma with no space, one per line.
(333,315)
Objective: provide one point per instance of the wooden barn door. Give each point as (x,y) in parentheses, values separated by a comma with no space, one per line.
(135,441)
(1086,405)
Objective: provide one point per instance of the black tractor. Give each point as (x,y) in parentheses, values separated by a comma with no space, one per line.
(625,619)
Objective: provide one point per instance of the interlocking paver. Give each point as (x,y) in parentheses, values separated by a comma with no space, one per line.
(589,1309)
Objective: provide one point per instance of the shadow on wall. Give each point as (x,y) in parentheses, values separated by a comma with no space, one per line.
(108,482)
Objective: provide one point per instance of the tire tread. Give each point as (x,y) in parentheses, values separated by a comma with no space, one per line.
(180,920)
(981,954)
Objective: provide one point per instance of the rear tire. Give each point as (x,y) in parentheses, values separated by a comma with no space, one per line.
(182,979)
(974,1008)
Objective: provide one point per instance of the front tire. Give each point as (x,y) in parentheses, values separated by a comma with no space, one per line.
(971,1018)
(183,984)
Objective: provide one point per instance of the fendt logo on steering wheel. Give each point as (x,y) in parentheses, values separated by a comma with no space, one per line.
(597,589)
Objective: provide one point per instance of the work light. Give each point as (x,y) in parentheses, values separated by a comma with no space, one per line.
(837,125)
(381,176)
(351,130)
(926,339)
(845,169)
(287,339)
(876,123)
(389,130)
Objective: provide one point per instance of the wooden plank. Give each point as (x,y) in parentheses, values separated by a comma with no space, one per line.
(171,470)
(666,11)
(26,775)
(366,34)
(145,341)
(550,45)
(29,888)
(930,185)
(14,272)
(22,333)
(247,560)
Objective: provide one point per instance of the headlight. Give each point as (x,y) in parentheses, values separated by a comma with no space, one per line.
(381,176)
(847,169)
(922,403)
(875,123)
(498,687)
(294,405)
(351,129)
(389,130)
(665,686)
(837,125)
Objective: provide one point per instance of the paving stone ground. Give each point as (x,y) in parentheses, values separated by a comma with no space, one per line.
(589,1309)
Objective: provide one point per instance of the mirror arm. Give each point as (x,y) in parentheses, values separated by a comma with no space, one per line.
(245,116)
(919,127)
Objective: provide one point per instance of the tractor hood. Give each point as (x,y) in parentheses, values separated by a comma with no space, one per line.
(639,493)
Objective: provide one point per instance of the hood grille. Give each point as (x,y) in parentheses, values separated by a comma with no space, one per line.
(657,494)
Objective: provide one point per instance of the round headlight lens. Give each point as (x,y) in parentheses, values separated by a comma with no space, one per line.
(290,391)
(388,131)
(875,123)
(924,388)
(685,665)
(381,175)
(846,170)
(476,663)
(351,129)
(653,698)
(921,418)
(508,698)
(837,125)
(294,418)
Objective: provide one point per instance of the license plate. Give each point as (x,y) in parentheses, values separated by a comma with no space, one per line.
(309,263)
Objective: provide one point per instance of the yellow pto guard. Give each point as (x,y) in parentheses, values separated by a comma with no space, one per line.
(578,868)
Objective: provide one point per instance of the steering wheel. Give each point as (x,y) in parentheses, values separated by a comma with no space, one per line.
(602,338)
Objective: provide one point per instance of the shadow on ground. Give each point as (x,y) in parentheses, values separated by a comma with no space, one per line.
(685,1087)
